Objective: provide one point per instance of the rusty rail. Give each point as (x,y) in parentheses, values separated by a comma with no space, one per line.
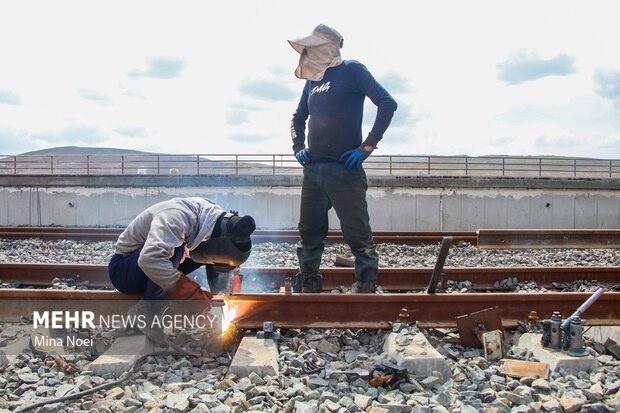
(483,238)
(259,278)
(333,310)
(111,234)
(548,238)
(429,310)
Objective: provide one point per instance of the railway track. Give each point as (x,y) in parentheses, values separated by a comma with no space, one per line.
(111,234)
(343,310)
(257,279)
(375,311)
(329,310)
(483,238)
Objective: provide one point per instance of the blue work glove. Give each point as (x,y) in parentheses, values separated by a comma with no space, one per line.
(355,158)
(303,157)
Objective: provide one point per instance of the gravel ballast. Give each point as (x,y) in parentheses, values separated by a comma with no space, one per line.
(199,384)
(283,254)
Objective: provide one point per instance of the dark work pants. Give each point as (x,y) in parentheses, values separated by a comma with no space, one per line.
(328,184)
(127,277)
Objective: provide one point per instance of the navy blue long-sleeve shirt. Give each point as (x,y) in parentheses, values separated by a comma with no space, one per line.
(335,106)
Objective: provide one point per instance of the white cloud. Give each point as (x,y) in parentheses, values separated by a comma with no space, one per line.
(527,65)
(161,68)
(89,94)
(9,98)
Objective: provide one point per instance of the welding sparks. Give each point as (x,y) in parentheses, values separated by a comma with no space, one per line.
(228,316)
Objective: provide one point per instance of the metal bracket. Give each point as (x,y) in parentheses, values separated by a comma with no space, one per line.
(446,242)
(473,326)
(268,331)
(288,285)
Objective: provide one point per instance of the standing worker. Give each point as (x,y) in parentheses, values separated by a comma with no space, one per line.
(333,98)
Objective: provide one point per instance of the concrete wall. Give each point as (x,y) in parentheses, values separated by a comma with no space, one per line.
(394,204)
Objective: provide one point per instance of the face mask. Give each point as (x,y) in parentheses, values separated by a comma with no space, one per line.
(315,60)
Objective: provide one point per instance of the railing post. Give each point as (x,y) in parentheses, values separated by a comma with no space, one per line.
(503,166)
(52,164)
(197,164)
(390,164)
(236,164)
(466,165)
(15,165)
(610,168)
(87,164)
(122,164)
(575,167)
(539,166)
(428,165)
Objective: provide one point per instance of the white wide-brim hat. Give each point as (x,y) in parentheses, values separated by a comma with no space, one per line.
(321,35)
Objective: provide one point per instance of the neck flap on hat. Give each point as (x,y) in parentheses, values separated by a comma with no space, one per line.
(315,60)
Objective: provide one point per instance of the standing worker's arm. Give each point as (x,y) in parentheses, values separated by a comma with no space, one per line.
(386,105)
(298,128)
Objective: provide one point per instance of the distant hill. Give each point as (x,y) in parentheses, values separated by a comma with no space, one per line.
(78,160)
(83,150)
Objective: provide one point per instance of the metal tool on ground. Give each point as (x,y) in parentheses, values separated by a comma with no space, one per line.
(441,260)
(38,340)
(389,375)
(311,366)
(68,368)
(360,373)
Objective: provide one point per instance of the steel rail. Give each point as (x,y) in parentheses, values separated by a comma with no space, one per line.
(15,304)
(332,310)
(429,310)
(548,238)
(483,238)
(272,278)
(111,234)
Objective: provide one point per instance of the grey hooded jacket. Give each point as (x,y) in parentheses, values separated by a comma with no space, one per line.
(164,226)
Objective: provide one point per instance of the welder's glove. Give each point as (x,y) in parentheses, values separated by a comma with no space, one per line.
(186,289)
(355,157)
(303,157)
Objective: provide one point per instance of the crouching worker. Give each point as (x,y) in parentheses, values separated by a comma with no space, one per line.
(169,240)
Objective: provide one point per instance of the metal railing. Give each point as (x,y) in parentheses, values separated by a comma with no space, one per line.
(286,164)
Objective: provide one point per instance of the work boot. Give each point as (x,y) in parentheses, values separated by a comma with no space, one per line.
(148,310)
(364,287)
(312,283)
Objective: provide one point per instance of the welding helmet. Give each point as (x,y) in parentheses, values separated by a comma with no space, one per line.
(229,245)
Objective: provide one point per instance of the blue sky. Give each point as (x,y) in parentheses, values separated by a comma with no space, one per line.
(472,78)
